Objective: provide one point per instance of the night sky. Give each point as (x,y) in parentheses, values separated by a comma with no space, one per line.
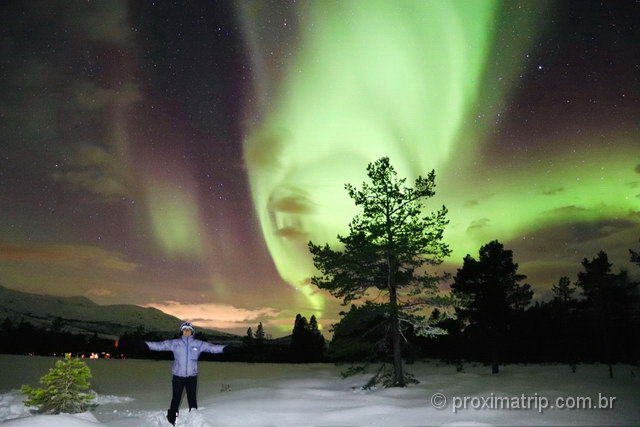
(181,154)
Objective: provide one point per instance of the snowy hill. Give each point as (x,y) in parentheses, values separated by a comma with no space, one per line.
(81,315)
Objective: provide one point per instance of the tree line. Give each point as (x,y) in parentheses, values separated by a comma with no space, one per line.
(25,338)
(592,319)
(399,312)
(305,344)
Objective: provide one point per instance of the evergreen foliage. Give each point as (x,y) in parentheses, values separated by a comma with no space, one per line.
(609,299)
(388,245)
(307,342)
(248,339)
(259,336)
(491,292)
(65,388)
(563,291)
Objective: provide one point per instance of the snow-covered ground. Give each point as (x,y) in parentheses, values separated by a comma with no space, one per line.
(137,393)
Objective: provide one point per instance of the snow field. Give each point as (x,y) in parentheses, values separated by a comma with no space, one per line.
(137,393)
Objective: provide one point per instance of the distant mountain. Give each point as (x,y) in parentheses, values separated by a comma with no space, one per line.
(81,315)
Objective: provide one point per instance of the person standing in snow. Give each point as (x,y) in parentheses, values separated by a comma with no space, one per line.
(186,351)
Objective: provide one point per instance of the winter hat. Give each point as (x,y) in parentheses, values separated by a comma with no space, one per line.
(187,325)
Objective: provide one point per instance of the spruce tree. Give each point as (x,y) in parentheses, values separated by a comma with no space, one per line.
(388,245)
(313,325)
(609,301)
(260,337)
(248,339)
(307,342)
(359,335)
(563,305)
(491,293)
(563,290)
(317,340)
(65,388)
(299,339)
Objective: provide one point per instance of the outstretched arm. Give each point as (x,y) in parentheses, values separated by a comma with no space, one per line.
(212,348)
(159,345)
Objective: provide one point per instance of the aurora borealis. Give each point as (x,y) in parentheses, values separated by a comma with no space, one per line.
(182,156)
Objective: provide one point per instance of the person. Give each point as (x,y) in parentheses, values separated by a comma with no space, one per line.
(186,351)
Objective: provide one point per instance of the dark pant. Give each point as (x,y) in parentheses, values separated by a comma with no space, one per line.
(179,383)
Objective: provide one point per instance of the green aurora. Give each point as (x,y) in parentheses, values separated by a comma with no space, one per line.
(371,79)
(182,157)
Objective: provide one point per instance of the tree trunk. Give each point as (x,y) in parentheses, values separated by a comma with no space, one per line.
(397,350)
(605,339)
(610,370)
(494,341)
(494,360)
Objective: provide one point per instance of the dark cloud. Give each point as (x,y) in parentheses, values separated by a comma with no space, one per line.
(634,215)
(100,292)
(293,233)
(637,169)
(94,170)
(93,181)
(567,210)
(72,255)
(572,240)
(552,191)
(556,250)
(64,70)
(291,200)
(585,231)
(470,203)
(90,96)
(478,224)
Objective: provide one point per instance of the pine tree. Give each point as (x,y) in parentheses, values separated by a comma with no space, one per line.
(564,304)
(307,342)
(313,325)
(65,388)
(388,245)
(248,339)
(360,335)
(609,302)
(317,340)
(296,326)
(563,291)
(260,337)
(298,338)
(302,325)
(491,290)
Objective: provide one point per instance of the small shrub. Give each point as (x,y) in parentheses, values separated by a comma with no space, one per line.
(64,389)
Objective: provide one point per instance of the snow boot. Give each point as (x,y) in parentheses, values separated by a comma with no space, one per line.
(171,417)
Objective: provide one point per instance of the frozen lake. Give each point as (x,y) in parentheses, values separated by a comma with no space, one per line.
(137,392)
